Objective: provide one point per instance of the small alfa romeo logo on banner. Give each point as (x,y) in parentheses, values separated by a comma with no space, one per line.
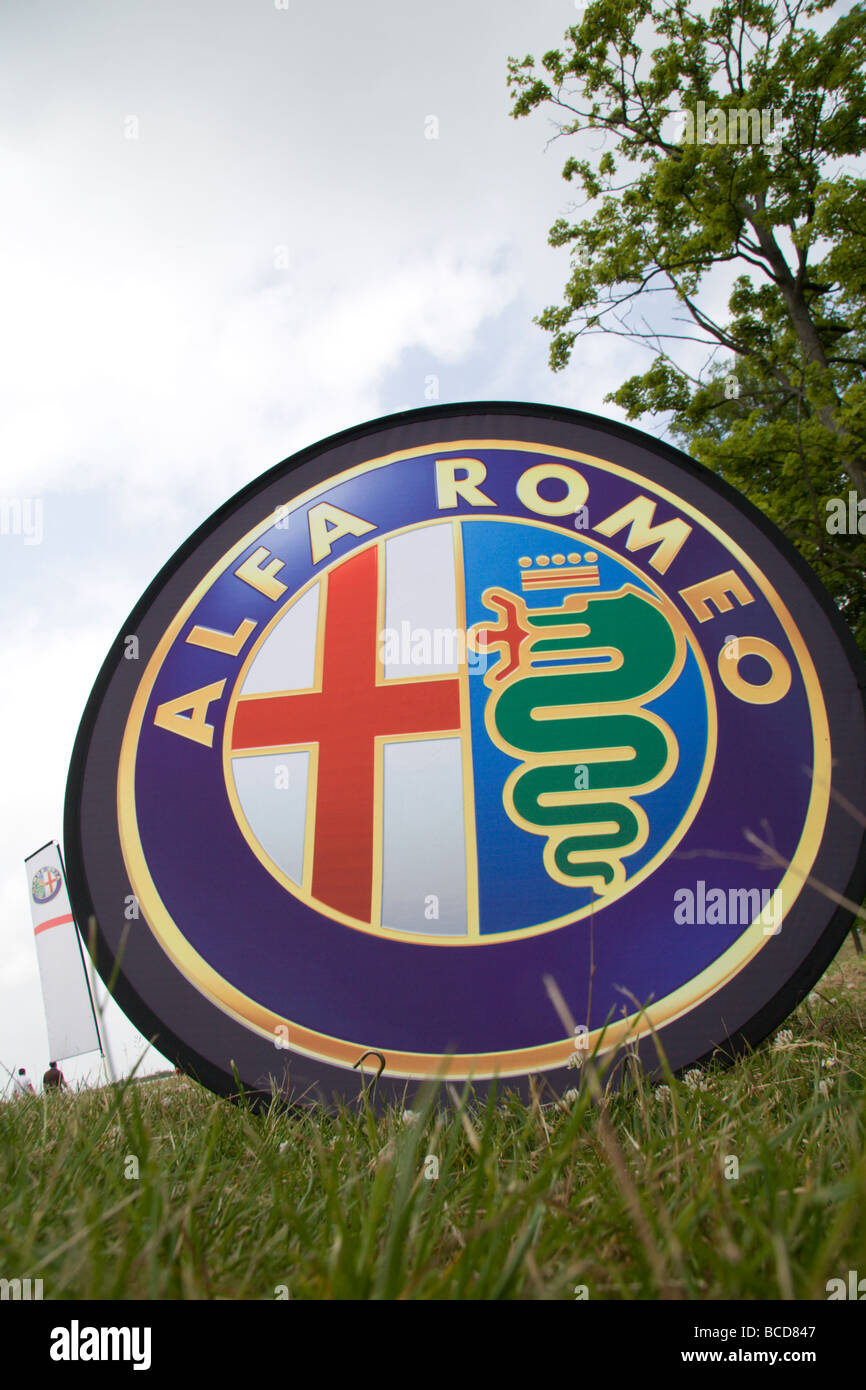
(445,709)
(46,884)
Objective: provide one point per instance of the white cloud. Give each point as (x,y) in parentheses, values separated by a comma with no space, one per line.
(180,379)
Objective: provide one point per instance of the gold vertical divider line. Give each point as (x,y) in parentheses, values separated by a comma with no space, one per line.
(310,826)
(376,887)
(472,911)
(321,617)
(380,612)
(313,770)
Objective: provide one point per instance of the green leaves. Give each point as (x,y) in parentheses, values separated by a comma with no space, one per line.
(769,108)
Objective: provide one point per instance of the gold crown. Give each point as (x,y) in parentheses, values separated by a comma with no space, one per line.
(572,571)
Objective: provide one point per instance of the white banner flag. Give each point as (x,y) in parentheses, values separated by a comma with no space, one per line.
(65,983)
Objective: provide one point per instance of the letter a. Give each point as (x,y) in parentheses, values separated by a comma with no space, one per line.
(172,716)
(836,521)
(328,523)
(684,912)
(59,1349)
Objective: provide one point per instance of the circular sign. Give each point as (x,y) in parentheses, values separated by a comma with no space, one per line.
(479,737)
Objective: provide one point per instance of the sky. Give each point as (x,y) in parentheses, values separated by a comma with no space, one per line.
(231,230)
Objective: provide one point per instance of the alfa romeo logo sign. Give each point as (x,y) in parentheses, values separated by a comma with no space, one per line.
(46,884)
(448,710)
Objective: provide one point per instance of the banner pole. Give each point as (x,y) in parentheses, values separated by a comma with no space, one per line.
(83,962)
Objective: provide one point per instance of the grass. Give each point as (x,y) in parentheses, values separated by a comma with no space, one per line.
(163,1191)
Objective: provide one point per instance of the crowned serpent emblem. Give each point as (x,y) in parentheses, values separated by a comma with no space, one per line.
(568,696)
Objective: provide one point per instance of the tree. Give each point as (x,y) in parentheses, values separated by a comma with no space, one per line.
(753,180)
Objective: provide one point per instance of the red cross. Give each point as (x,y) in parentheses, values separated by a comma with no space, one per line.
(344,718)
